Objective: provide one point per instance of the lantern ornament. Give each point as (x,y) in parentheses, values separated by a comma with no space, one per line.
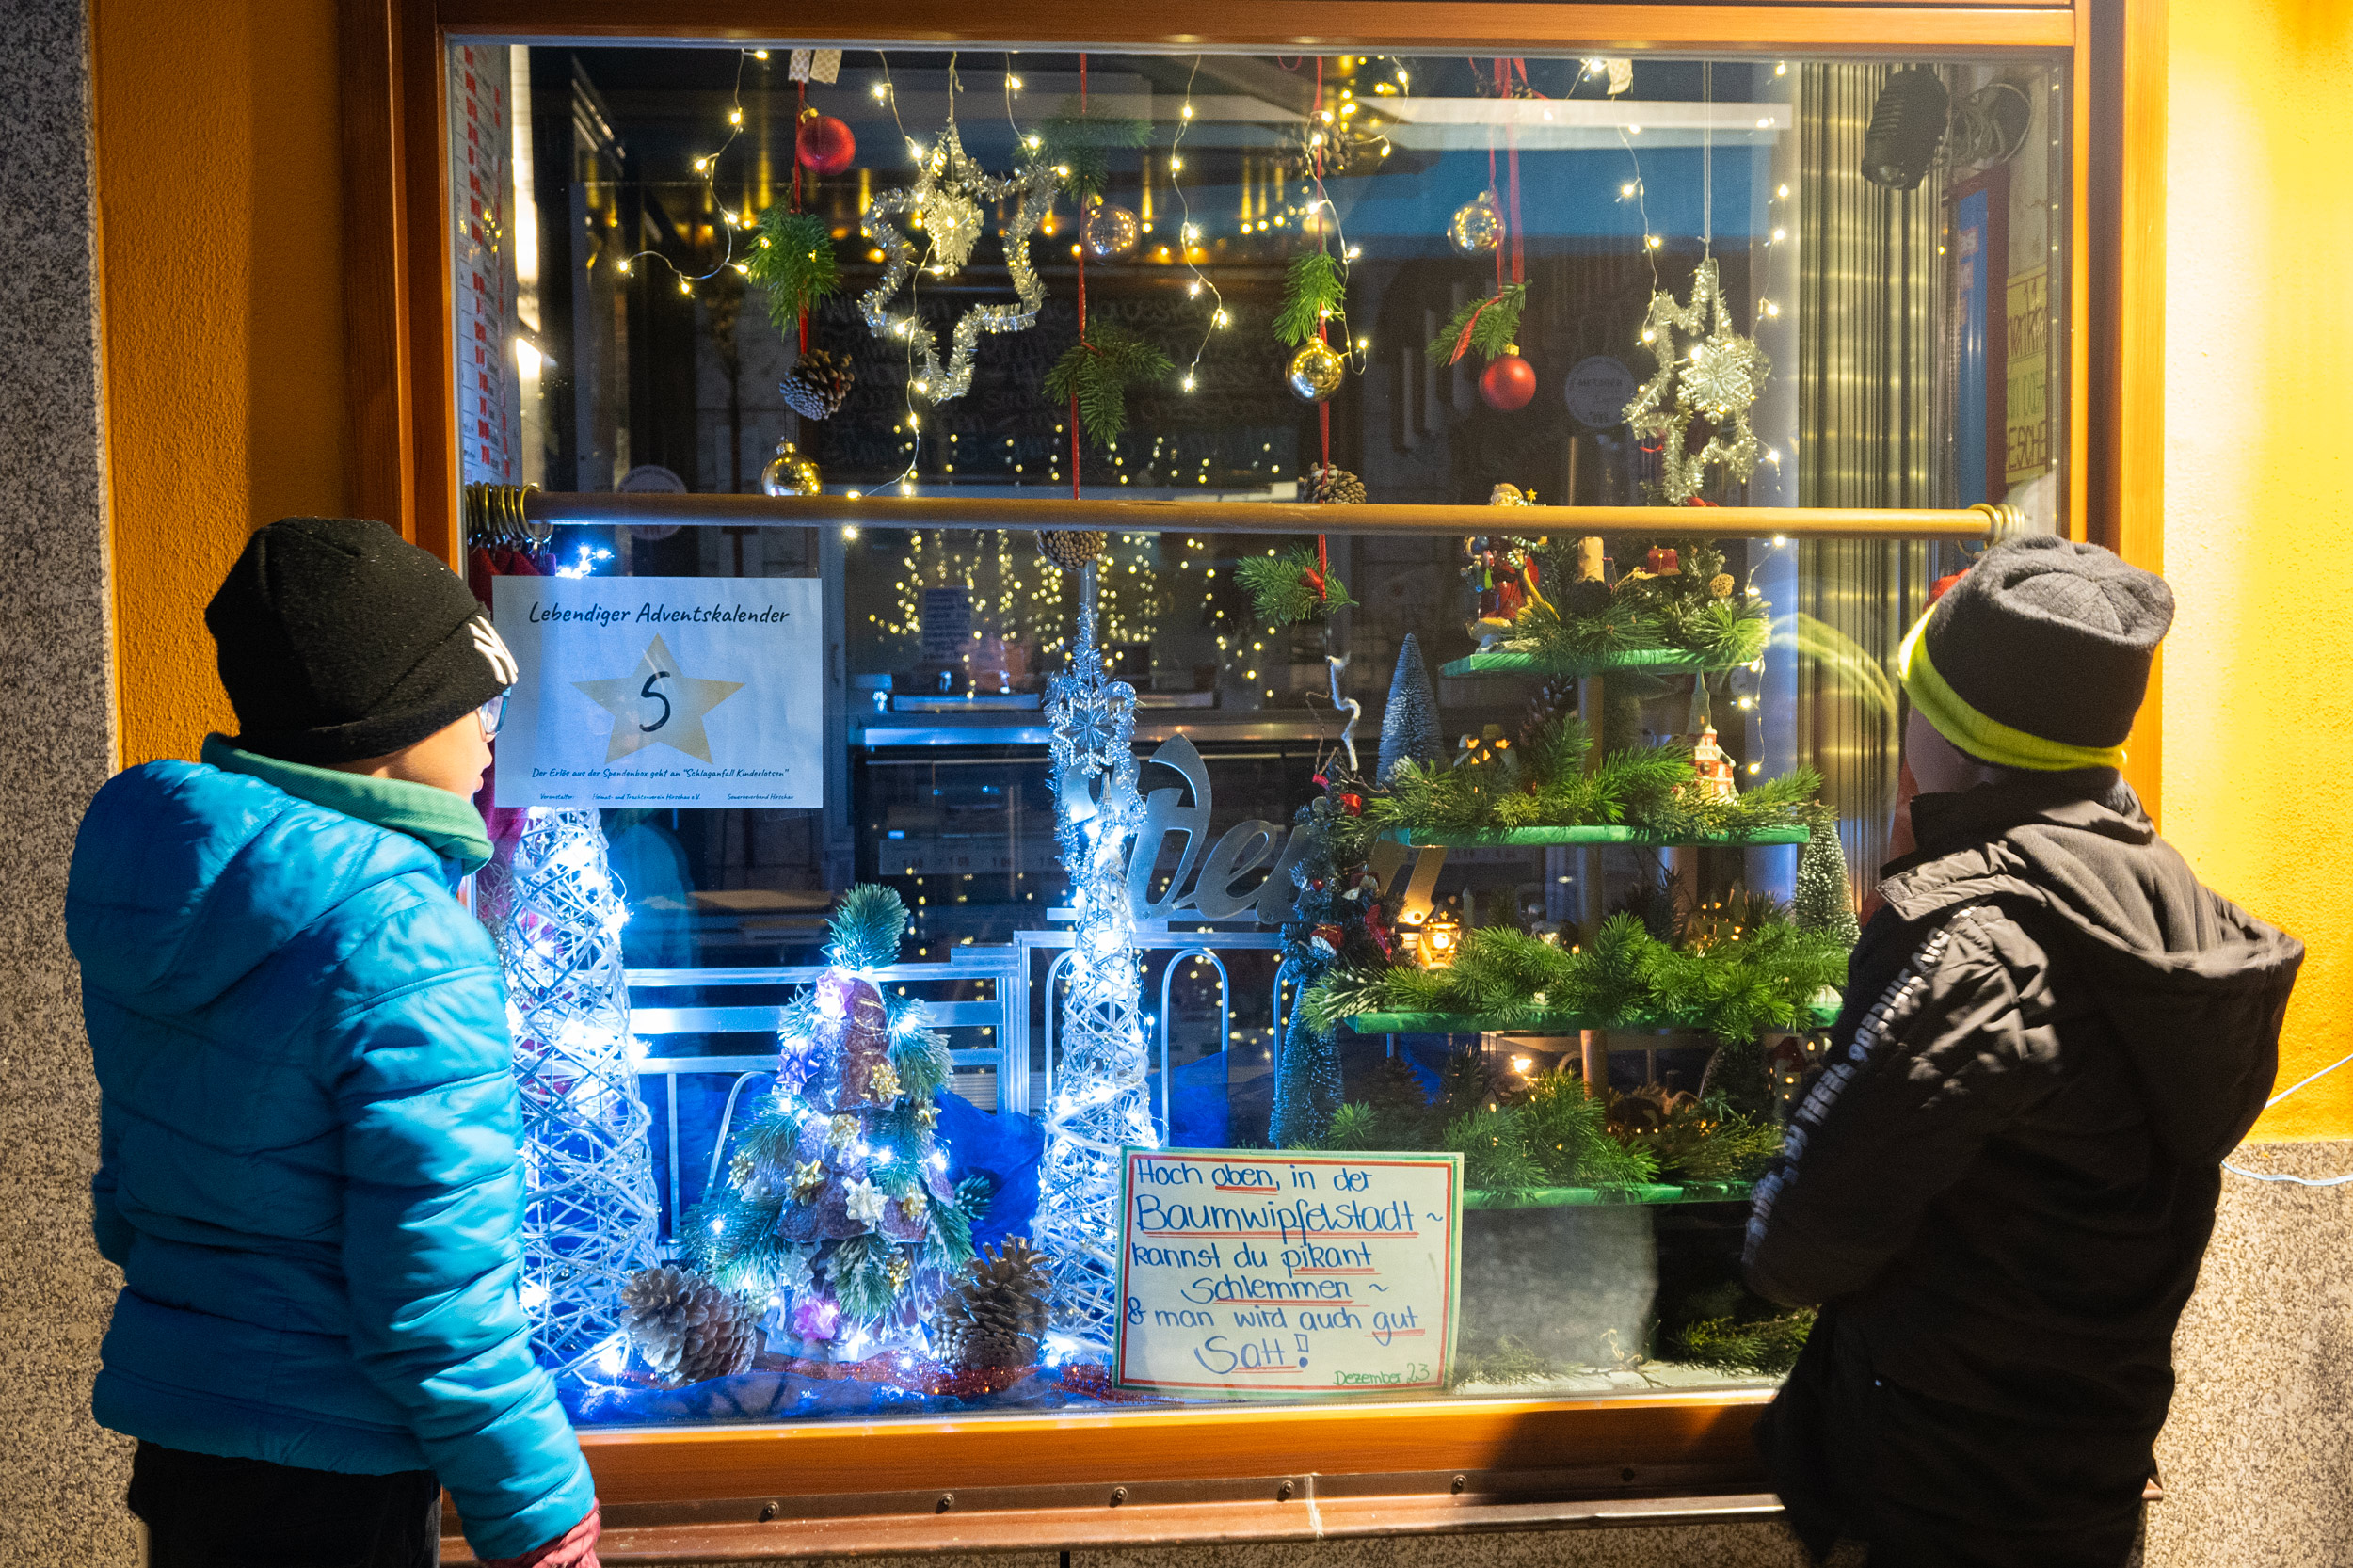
(1437,941)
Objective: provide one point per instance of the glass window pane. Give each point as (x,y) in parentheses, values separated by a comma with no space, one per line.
(1679,283)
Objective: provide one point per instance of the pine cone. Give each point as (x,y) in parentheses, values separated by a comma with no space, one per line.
(1333,487)
(1553,700)
(1072,548)
(1720,585)
(687,1328)
(815,387)
(995,1317)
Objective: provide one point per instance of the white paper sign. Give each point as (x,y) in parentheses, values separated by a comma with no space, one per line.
(663,691)
(1247,1272)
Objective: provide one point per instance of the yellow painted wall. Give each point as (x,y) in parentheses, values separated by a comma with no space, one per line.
(2259,496)
(222,314)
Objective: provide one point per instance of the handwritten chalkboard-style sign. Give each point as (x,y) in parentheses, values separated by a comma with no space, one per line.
(1250,1273)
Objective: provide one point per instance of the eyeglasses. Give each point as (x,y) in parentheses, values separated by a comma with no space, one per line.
(493,714)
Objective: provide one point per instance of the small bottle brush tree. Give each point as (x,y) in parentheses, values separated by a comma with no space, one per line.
(837,1209)
(1409,721)
(1823,901)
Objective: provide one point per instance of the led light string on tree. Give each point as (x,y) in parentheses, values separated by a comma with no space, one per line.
(590,1213)
(1100,1101)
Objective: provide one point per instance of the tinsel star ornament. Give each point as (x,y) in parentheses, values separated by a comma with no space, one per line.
(948,195)
(1714,374)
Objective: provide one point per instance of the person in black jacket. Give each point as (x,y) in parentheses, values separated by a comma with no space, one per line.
(2000,1185)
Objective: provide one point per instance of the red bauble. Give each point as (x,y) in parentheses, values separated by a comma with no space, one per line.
(1353,804)
(823,144)
(1507,385)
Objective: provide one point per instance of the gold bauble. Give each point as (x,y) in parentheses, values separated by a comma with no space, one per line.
(791,474)
(1477,226)
(1315,373)
(1110,233)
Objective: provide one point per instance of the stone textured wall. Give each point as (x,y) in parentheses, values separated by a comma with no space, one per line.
(60,1477)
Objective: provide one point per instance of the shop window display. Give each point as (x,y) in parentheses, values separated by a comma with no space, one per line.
(1533,847)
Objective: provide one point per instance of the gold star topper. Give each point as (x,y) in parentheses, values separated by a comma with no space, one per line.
(658,704)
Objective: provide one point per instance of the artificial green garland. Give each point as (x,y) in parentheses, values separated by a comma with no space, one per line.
(1760,977)
(1544,784)
(1698,609)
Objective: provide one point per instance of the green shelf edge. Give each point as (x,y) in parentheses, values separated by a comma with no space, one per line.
(1647,1194)
(1541,1023)
(1669,661)
(1508,838)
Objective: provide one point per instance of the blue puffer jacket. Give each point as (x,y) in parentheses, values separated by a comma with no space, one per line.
(308,1167)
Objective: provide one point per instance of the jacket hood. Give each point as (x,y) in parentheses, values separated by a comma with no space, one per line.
(185,878)
(2195,986)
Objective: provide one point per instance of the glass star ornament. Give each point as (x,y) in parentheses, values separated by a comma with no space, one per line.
(1710,372)
(950,194)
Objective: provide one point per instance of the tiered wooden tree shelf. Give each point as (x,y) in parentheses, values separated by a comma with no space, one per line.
(1651,661)
(1539,1025)
(1640,837)
(1645,1193)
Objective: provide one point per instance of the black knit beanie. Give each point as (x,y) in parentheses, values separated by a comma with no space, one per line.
(2038,656)
(340,640)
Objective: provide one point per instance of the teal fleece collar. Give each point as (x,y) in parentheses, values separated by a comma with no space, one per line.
(443,823)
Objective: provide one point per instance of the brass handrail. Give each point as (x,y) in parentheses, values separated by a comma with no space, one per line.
(1981,523)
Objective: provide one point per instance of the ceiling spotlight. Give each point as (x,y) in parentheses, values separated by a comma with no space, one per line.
(1907,127)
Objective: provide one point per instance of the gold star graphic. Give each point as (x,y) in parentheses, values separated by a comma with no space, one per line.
(656,706)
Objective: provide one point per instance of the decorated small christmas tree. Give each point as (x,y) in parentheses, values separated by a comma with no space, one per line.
(1822,900)
(837,1209)
(1336,913)
(1409,723)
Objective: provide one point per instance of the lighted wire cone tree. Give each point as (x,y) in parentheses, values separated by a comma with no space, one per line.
(590,1213)
(1100,1101)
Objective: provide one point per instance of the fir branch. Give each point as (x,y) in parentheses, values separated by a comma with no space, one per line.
(1077,143)
(1770,1345)
(794,263)
(1492,323)
(922,1062)
(1493,1147)
(974,1194)
(1097,370)
(866,928)
(950,1244)
(1314,288)
(1283,588)
(861,1282)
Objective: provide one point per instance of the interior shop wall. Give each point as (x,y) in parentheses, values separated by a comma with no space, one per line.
(2259,526)
(219,219)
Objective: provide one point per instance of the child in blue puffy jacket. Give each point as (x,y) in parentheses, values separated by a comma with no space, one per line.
(308,1166)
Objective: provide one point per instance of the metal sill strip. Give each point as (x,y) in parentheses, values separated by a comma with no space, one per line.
(1303,1518)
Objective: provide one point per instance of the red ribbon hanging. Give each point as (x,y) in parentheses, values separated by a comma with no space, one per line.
(1082,249)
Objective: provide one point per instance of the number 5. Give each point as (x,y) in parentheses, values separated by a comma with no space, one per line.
(648,691)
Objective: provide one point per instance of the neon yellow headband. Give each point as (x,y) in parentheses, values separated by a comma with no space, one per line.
(1988,740)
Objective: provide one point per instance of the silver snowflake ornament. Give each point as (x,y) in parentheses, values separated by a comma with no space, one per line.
(1717,379)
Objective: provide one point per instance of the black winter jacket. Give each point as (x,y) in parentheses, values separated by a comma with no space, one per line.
(2004,1180)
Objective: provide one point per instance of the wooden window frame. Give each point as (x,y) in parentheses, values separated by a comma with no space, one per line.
(404,460)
